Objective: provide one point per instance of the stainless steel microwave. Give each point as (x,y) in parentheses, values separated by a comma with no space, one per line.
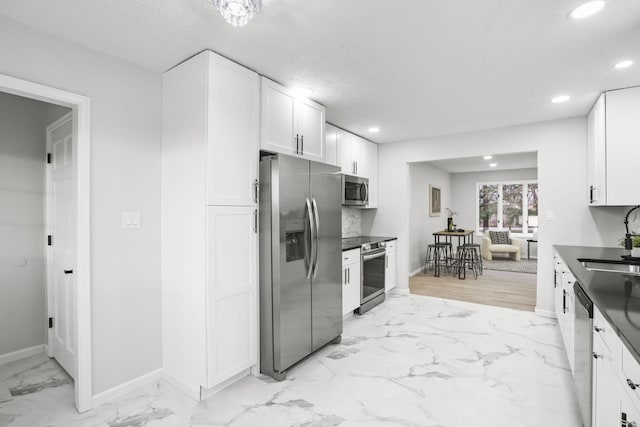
(355,191)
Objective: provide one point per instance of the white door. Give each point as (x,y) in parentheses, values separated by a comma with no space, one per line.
(232,150)
(310,127)
(346,152)
(232,291)
(277,127)
(61,284)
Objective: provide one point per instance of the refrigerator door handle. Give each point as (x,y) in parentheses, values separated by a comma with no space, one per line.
(311,245)
(316,218)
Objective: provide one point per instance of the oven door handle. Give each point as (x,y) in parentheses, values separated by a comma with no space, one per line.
(374,255)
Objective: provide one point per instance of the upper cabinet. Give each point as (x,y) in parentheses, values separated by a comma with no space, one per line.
(360,157)
(613,141)
(331,145)
(290,124)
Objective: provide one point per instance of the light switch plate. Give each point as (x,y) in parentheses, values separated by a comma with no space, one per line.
(130,219)
(549,215)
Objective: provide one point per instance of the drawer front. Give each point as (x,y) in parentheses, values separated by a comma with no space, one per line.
(351,256)
(609,337)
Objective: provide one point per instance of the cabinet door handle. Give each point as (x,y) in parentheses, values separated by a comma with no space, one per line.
(632,385)
(344,274)
(597,356)
(68,271)
(356,167)
(597,329)
(386,261)
(349,274)
(591,194)
(297,144)
(256,190)
(564,301)
(302,144)
(255,221)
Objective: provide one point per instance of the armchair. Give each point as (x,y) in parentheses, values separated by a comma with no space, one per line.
(489,248)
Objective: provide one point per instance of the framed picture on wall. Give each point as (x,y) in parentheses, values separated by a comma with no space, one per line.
(435,201)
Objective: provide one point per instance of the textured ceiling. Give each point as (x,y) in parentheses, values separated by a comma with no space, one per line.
(416,68)
(505,161)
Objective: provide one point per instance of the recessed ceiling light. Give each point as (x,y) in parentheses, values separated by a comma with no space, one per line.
(587,9)
(493,165)
(488,157)
(560,98)
(301,91)
(374,129)
(624,64)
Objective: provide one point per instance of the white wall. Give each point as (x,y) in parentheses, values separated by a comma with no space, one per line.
(125,174)
(562,179)
(22,229)
(464,197)
(421,225)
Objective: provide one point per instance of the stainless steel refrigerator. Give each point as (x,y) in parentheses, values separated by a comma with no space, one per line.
(300,260)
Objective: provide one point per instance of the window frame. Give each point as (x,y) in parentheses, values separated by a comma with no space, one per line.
(525,206)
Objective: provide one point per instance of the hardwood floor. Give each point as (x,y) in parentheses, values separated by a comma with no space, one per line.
(497,288)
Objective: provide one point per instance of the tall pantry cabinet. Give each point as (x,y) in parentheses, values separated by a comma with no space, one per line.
(210,137)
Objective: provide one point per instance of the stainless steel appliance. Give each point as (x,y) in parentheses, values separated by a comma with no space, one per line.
(583,352)
(300,259)
(373,271)
(355,191)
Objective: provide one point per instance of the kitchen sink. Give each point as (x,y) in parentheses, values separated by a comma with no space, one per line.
(611,266)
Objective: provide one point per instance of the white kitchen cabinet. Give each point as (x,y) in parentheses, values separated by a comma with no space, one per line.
(391,264)
(350,281)
(290,124)
(359,157)
(613,135)
(606,387)
(232,283)
(208,237)
(564,305)
(331,146)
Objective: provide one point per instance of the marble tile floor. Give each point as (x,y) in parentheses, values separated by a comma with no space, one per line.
(412,361)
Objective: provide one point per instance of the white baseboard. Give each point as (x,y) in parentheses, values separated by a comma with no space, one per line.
(206,393)
(545,313)
(415,273)
(129,386)
(192,392)
(22,354)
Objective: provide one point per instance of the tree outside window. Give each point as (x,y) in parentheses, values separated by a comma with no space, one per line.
(508,206)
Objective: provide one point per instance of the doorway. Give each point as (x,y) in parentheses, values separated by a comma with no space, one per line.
(508,279)
(77,265)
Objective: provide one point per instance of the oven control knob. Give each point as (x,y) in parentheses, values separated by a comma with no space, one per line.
(366,247)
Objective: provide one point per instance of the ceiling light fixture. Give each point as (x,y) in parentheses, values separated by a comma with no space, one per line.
(560,98)
(587,9)
(488,157)
(374,129)
(238,12)
(493,165)
(623,64)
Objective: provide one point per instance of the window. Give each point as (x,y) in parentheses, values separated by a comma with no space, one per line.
(509,206)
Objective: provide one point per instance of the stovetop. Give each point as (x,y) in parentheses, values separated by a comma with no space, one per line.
(356,242)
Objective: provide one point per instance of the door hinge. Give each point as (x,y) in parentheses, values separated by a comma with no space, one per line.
(50,322)
(48,158)
(49,240)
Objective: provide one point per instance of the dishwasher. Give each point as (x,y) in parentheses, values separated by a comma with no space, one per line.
(583,352)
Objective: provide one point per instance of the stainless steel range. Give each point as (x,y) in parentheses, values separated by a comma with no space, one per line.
(373,271)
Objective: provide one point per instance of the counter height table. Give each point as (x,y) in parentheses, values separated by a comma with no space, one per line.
(462,235)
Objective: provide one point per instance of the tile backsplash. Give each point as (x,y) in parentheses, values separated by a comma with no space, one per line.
(351,222)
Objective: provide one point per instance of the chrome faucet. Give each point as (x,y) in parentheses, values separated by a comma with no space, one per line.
(627,237)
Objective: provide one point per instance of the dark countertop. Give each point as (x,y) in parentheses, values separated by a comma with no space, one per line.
(609,291)
(349,243)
